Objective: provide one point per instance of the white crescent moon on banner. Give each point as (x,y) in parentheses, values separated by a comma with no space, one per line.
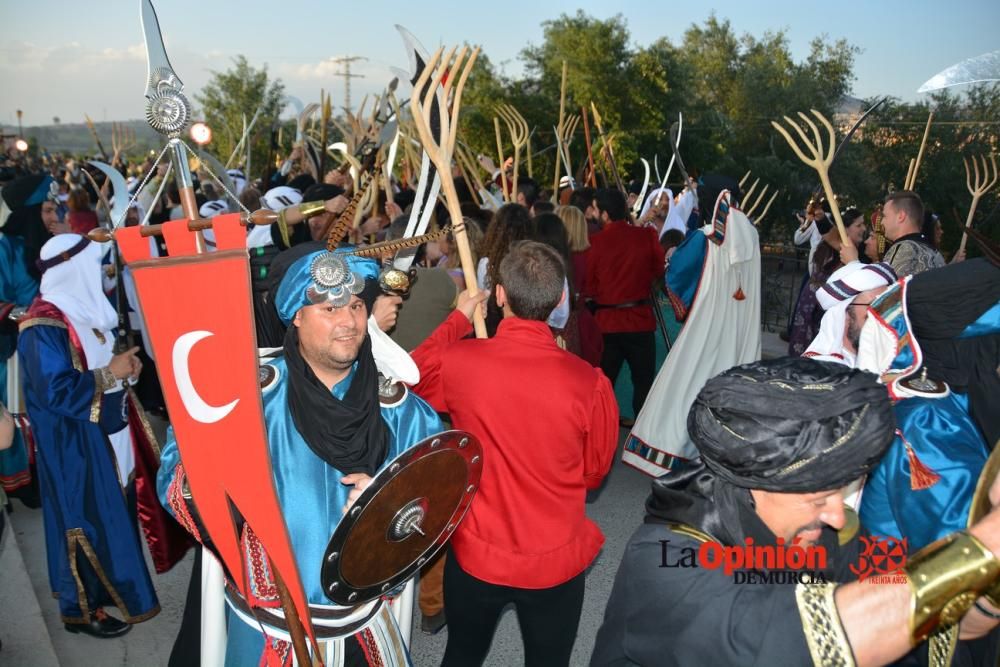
(193,402)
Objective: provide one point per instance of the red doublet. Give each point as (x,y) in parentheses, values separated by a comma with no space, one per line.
(548,424)
(623,263)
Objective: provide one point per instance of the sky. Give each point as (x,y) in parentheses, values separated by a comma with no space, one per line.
(67,58)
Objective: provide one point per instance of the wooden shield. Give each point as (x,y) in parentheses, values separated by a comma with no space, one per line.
(403,518)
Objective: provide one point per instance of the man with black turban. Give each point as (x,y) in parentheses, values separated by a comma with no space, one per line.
(778,440)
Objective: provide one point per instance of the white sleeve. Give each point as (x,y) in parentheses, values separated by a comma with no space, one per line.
(801,236)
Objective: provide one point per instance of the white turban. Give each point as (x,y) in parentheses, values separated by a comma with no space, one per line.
(835,296)
(281,197)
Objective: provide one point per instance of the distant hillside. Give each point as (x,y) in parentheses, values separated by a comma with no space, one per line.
(75,138)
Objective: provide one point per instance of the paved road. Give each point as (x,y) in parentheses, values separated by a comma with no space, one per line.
(617,508)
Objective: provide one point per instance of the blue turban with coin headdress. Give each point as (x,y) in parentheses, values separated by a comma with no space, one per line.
(326,277)
(348,433)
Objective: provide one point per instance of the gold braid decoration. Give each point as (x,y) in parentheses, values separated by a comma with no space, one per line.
(825,635)
(345,222)
(941,647)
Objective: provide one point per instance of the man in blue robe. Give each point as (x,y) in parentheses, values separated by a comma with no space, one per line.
(332,421)
(936,343)
(87,452)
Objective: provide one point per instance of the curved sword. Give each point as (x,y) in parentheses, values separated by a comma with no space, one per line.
(429,184)
(974,70)
(675,142)
(119,189)
(637,206)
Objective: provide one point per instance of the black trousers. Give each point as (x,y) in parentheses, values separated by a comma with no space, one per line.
(548,617)
(639,350)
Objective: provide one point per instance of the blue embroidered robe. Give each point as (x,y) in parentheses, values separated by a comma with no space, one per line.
(94,555)
(312,497)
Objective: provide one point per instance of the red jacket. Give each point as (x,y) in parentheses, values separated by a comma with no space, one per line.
(548,424)
(623,263)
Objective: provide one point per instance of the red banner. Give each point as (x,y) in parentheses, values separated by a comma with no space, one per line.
(199,317)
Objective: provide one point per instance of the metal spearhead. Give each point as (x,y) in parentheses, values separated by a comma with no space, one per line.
(167,109)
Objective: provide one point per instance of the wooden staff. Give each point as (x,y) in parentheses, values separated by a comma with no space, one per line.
(766,208)
(531,172)
(97,139)
(911,178)
(503,172)
(592,177)
(753,207)
(562,119)
(441,154)
(612,164)
(325,120)
(470,172)
(517,127)
(820,160)
(982,184)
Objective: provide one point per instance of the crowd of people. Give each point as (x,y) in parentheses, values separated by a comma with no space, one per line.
(884,409)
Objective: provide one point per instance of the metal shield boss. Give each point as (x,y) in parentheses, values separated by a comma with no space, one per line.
(403,518)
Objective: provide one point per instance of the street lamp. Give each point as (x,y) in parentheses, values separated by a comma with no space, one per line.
(21,145)
(201,133)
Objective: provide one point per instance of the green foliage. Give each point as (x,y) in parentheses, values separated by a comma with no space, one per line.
(962,127)
(230,95)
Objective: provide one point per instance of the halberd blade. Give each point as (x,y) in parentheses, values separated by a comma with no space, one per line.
(158,67)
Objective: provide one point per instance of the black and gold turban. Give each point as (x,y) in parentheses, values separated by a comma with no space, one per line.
(792,425)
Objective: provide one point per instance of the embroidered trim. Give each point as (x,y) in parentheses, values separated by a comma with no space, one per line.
(821,624)
(140,414)
(178,503)
(262,589)
(76,537)
(95,404)
(837,443)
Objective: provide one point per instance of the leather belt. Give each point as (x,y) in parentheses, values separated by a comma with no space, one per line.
(319,615)
(627,304)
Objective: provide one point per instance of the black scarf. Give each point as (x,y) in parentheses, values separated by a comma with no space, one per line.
(348,434)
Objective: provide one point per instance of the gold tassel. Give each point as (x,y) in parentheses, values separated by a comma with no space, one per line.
(921,477)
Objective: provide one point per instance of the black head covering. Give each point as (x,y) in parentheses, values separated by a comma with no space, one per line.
(302,182)
(321,191)
(790,425)
(25,218)
(710,187)
(941,303)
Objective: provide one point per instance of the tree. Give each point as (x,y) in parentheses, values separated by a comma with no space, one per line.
(230,95)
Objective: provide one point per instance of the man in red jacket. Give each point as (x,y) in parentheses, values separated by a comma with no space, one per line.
(548,423)
(623,263)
